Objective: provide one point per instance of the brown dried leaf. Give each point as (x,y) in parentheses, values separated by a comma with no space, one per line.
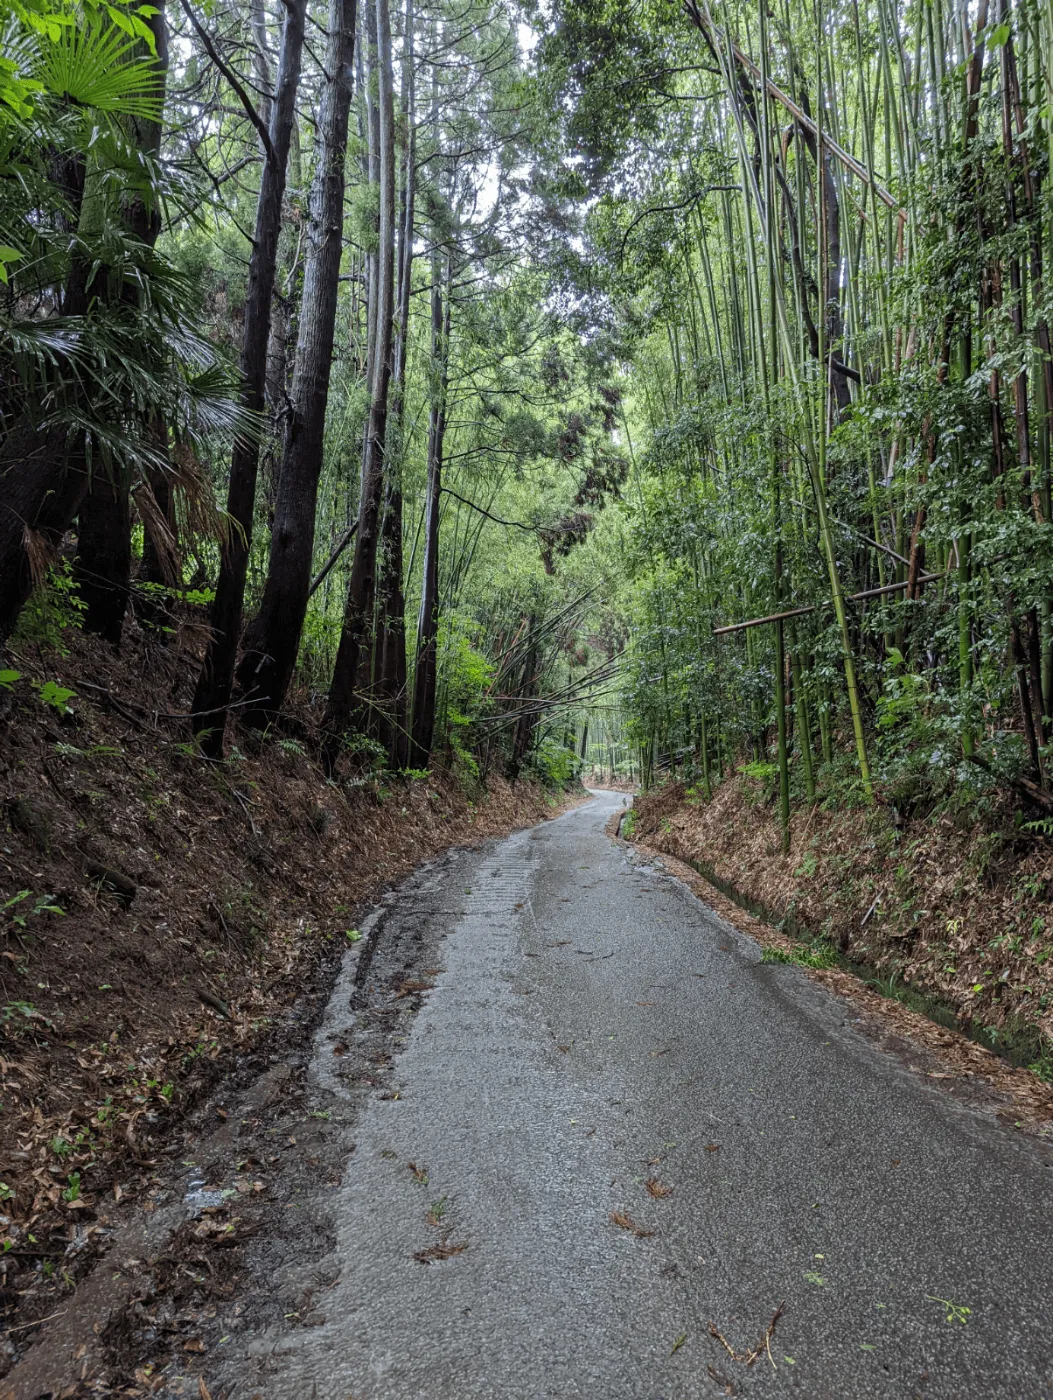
(624,1221)
(657,1189)
(445,1250)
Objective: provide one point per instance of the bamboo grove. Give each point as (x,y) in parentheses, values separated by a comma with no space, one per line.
(286,375)
(821,235)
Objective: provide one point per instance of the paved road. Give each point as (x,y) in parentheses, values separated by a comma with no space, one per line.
(596,1026)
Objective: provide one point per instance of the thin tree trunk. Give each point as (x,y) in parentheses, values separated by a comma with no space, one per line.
(361,594)
(391,645)
(425,679)
(283,309)
(269,661)
(212,696)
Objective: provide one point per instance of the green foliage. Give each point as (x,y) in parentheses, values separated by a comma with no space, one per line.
(57,696)
(555,764)
(18,911)
(19,1016)
(816,955)
(53,609)
(465,678)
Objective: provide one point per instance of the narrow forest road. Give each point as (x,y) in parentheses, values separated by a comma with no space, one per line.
(595,1026)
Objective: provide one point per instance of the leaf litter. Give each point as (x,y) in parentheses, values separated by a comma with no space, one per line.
(624,1221)
(436,1252)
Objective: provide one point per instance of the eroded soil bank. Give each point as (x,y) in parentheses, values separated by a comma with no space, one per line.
(961,914)
(169,921)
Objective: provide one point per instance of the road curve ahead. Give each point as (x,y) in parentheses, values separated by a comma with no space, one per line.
(595,1028)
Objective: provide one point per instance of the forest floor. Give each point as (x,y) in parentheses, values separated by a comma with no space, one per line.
(167,923)
(941,929)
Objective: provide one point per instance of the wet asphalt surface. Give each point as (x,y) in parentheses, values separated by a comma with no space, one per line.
(592,1026)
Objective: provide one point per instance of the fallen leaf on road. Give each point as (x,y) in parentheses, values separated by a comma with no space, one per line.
(712,1146)
(657,1189)
(678,1343)
(202,1389)
(446,1250)
(407,989)
(645,1003)
(624,1221)
(194,1344)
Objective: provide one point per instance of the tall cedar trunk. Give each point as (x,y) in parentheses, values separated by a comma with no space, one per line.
(103,565)
(391,677)
(391,641)
(362,681)
(283,310)
(425,682)
(212,696)
(361,592)
(283,298)
(267,667)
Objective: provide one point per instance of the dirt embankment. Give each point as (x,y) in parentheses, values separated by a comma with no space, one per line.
(160,914)
(961,913)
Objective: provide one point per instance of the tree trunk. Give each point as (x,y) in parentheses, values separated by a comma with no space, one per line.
(426,673)
(103,565)
(42,482)
(42,479)
(283,310)
(391,642)
(267,667)
(212,696)
(361,592)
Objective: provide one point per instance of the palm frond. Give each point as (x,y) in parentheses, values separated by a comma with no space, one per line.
(97,66)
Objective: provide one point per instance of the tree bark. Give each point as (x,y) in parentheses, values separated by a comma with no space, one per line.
(361,593)
(43,478)
(426,674)
(267,667)
(391,641)
(212,696)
